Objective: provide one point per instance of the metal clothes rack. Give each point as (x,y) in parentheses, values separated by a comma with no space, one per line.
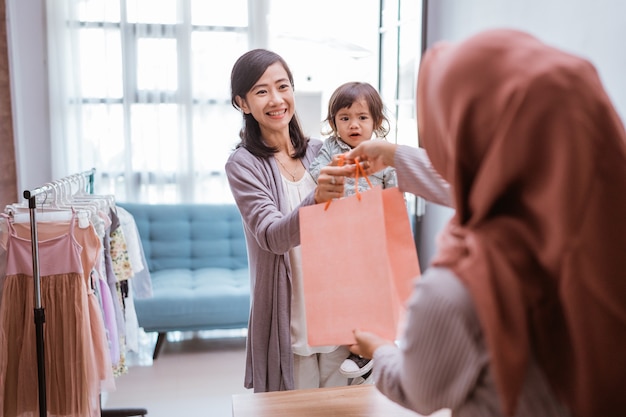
(40,318)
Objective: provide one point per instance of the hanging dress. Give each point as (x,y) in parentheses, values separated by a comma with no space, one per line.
(72,368)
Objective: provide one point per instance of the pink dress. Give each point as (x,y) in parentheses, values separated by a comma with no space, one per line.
(76,358)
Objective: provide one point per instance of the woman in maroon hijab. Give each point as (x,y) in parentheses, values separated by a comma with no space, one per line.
(523,309)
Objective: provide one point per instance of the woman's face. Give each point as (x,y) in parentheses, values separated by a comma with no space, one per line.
(271,100)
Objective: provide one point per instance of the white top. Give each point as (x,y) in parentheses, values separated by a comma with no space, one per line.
(295,192)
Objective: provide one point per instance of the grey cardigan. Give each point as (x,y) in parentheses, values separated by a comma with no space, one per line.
(271,231)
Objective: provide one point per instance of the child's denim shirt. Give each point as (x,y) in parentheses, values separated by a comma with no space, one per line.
(334,146)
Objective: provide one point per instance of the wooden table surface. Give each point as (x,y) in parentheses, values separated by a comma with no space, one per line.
(351,401)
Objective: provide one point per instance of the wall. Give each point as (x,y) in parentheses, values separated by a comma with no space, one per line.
(8,190)
(29,88)
(594,30)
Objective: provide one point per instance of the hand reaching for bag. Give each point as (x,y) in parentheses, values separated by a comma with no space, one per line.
(367,343)
(374,155)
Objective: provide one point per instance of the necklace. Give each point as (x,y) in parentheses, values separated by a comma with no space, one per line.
(293,174)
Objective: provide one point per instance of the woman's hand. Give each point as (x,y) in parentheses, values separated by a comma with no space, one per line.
(374,155)
(331,180)
(367,343)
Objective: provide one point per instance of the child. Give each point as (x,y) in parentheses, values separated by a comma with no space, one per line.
(355,113)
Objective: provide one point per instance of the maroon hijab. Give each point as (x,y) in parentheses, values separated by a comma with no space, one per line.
(536,156)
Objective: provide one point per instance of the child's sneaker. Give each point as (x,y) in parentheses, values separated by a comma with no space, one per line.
(366,378)
(355,366)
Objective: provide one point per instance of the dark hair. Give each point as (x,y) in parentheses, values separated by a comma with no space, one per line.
(246,72)
(346,94)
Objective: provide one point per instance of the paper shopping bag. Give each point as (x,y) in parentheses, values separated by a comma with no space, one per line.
(359,262)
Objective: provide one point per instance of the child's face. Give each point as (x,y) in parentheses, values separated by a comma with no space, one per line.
(355,123)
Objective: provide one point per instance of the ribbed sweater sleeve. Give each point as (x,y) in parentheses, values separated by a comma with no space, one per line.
(441,355)
(416,175)
(443,363)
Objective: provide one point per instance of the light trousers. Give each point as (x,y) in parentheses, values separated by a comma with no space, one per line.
(320,370)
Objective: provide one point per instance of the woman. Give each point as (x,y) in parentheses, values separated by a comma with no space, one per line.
(268,177)
(522,311)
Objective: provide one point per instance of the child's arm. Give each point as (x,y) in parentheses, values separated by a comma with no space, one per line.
(323,158)
(390,179)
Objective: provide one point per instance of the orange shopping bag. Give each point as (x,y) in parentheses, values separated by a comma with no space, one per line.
(359,261)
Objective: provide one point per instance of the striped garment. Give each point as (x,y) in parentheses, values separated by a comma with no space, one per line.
(443,363)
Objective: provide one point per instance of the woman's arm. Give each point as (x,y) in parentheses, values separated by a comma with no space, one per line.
(442,353)
(415,173)
(256,185)
(256,189)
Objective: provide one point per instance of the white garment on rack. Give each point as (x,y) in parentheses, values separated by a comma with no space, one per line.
(132,323)
(3,257)
(54,216)
(141,281)
(133,242)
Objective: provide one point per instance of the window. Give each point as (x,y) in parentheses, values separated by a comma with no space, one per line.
(400,43)
(154,121)
(140,88)
(400,46)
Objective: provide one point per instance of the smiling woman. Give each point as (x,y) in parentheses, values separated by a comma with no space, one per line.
(269,181)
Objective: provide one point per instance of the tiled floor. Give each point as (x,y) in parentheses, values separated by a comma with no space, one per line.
(195,376)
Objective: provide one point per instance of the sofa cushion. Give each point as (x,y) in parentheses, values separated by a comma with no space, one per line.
(197,258)
(185,299)
(190,236)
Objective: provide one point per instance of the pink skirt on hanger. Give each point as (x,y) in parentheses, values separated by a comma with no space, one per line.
(77,360)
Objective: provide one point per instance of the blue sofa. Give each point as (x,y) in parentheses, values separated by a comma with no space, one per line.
(197,257)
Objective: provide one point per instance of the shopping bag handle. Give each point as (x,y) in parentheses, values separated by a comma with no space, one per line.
(359,169)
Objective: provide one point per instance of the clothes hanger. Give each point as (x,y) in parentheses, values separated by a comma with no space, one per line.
(50,208)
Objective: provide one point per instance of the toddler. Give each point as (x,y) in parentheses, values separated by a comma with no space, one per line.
(355,113)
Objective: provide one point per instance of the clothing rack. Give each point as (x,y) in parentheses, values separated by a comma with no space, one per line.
(31,196)
(40,316)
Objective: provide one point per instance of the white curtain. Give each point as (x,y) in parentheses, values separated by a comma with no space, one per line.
(139,90)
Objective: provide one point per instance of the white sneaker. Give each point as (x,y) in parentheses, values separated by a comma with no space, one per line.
(359,380)
(355,366)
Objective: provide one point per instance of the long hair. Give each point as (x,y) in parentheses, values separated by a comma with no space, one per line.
(347,94)
(248,69)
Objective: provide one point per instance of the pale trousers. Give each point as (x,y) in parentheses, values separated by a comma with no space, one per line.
(320,370)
